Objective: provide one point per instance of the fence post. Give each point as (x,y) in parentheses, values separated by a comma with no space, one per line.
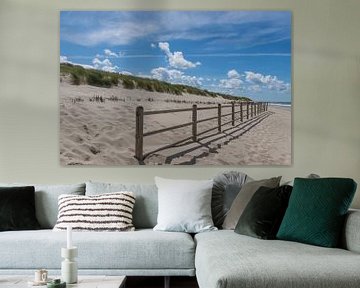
(255,108)
(247,110)
(233,113)
(219,117)
(194,122)
(252,109)
(139,138)
(241,116)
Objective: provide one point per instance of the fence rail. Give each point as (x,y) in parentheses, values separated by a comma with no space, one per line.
(247,110)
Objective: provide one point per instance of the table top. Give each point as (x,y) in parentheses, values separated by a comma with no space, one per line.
(84,281)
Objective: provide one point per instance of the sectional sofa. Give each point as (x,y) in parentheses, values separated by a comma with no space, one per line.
(219,259)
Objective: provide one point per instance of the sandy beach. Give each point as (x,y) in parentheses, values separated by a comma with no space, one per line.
(97,127)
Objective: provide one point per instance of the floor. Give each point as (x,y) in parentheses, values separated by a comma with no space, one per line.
(158,282)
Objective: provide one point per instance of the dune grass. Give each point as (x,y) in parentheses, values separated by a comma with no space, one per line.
(80,75)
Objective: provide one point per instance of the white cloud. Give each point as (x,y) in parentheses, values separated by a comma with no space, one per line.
(153,45)
(109,53)
(268,81)
(63,59)
(104,65)
(233,81)
(176,59)
(120,32)
(254,88)
(233,74)
(175,76)
(125,73)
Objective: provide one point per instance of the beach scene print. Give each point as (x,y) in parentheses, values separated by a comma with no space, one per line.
(175,88)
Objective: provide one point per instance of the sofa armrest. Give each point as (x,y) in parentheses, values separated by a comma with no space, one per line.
(351,234)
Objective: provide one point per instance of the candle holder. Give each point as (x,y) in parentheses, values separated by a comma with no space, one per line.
(69,271)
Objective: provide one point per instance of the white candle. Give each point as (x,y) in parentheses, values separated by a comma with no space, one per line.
(69,239)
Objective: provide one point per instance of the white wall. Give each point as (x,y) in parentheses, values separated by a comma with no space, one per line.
(326,90)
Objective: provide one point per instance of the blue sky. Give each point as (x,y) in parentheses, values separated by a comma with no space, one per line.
(243,53)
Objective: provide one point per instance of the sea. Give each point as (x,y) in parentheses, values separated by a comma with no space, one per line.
(282,104)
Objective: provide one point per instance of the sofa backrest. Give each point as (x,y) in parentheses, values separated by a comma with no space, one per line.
(146,203)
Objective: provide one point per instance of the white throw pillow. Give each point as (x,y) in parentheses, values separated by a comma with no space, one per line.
(105,212)
(184,205)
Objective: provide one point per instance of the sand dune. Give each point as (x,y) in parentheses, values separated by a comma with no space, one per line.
(97,127)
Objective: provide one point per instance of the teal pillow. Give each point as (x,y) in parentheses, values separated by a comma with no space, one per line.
(316,211)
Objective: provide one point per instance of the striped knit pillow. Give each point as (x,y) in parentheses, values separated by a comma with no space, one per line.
(105,212)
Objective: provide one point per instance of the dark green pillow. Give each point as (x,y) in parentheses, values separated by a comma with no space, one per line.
(17,209)
(264,212)
(316,211)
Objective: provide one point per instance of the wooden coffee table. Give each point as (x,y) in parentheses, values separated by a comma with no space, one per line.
(84,281)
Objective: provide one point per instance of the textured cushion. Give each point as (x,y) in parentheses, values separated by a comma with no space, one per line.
(317,210)
(243,198)
(46,200)
(17,208)
(225,259)
(144,249)
(106,212)
(351,236)
(226,187)
(146,205)
(184,205)
(263,215)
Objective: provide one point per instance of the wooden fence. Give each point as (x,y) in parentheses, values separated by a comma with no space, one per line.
(247,110)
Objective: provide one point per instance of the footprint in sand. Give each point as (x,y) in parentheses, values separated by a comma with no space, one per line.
(86,129)
(94,150)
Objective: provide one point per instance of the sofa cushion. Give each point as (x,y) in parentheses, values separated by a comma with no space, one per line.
(46,200)
(350,239)
(226,187)
(317,209)
(263,215)
(105,212)
(17,208)
(143,249)
(243,198)
(146,205)
(225,259)
(184,205)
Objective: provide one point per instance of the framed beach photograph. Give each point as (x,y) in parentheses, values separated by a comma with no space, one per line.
(175,88)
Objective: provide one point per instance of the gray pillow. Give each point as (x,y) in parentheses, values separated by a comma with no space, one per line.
(226,187)
(243,198)
(146,204)
(46,200)
(184,205)
(310,176)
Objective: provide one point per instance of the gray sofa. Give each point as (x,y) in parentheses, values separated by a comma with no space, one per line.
(226,259)
(218,259)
